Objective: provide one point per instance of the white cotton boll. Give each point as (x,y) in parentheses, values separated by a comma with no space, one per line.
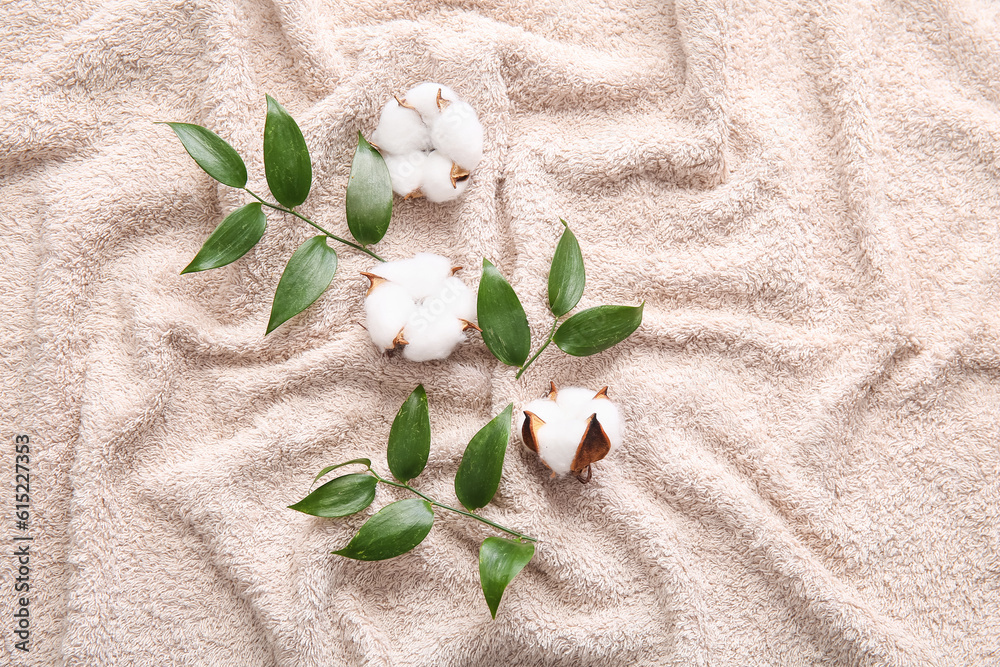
(457,133)
(424,98)
(563,418)
(421,275)
(387,309)
(558,441)
(401,130)
(437,185)
(418,304)
(406,171)
(430,337)
(436,268)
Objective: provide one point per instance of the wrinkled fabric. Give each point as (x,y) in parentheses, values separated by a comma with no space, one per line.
(805,196)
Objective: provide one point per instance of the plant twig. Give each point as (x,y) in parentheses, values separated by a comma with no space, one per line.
(516,534)
(540,350)
(304,218)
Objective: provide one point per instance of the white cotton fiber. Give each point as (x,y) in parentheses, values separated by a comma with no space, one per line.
(453,298)
(400,130)
(580,403)
(437,185)
(558,441)
(429,337)
(542,408)
(575,402)
(458,134)
(406,171)
(387,309)
(420,275)
(423,98)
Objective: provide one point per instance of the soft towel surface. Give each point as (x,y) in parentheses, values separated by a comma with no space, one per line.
(806,195)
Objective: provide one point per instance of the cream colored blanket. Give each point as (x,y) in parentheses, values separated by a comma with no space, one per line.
(806,195)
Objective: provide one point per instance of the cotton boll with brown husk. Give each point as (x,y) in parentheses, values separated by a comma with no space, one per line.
(571,428)
(431,141)
(419,305)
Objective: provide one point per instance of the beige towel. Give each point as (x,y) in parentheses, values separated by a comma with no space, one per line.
(806,195)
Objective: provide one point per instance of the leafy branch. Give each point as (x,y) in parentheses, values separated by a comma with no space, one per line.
(505,325)
(304,218)
(288,169)
(471,515)
(402,525)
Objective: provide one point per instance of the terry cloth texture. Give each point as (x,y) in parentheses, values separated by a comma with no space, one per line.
(805,195)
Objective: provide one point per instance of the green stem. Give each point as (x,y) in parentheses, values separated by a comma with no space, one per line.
(540,350)
(516,534)
(304,218)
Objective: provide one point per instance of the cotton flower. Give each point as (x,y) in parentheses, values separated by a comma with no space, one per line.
(431,141)
(420,305)
(571,428)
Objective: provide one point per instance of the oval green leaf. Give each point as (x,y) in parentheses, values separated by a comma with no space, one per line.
(392,531)
(500,560)
(233,238)
(341,496)
(286,158)
(596,329)
(365,462)
(410,437)
(567,277)
(479,473)
(369,195)
(308,273)
(502,319)
(212,153)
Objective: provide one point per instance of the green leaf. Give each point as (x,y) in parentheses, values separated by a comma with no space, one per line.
(502,319)
(500,560)
(233,238)
(365,462)
(212,153)
(309,271)
(341,496)
(410,437)
(369,195)
(566,276)
(596,329)
(286,158)
(482,463)
(394,530)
